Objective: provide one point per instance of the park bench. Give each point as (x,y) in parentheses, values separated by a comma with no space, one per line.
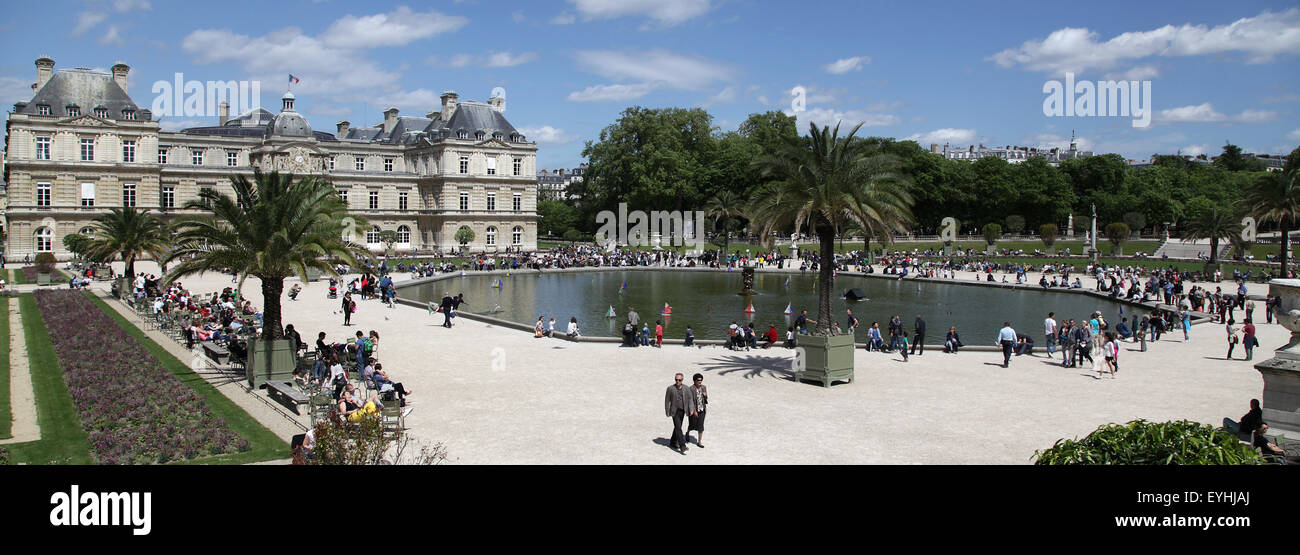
(286,394)
(216,352)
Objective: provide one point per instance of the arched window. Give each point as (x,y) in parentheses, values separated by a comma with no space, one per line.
(491,235)
(372,236)
(44,239)
(88,232)
(403,234)
(517,236)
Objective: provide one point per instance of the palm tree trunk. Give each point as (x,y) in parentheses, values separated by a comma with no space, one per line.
(130,267)
(1286,232)
(825,278)
(1214,249)
(271,289)
(866,245)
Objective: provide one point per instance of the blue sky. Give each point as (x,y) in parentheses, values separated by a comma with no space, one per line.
(960,73)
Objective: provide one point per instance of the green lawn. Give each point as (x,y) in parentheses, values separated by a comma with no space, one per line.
(6,411)
(263,444)
(18,276)
(63,441)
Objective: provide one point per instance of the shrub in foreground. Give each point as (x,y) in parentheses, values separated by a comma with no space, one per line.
(1152,443)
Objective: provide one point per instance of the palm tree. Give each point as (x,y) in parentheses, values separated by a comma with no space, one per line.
(1213,223)
(880,201)
(828,182)
(722,207)
(273,228)
(1276,197)
(128,233)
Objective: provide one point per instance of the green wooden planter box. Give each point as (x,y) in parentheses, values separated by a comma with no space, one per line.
(314,274)
(826,359)
(42,279)
(270,361)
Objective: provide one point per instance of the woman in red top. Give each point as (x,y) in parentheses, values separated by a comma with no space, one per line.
(659,334)
(771,336)
(1249,340)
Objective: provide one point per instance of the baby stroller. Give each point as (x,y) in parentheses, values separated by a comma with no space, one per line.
(334,289)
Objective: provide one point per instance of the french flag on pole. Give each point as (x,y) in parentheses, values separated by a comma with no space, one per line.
(292,79)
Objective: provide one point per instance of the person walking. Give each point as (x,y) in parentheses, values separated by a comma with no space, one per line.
(1248,338)
(1006,338)
(675,406)
(1082,345)
(1049,329)
(1143,329)
(446,309)
(1066,341)
(699,400)
(1185,322)
(903,346)
(918,336)
(852,323)
(1110,349)
(1232,336)
(349,306)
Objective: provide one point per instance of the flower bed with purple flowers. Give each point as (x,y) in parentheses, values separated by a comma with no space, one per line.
(29,274)
(134,410)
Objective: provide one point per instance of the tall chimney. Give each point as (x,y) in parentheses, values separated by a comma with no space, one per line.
(343,129)
(44,70)
(119,74)
(448,104)
(223,113)
(390,119)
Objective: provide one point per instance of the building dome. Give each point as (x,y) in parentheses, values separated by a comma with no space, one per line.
(289,123)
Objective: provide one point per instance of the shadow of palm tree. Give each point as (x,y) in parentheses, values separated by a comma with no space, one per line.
(753,366)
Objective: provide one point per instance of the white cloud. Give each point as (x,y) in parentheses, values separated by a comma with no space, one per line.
(1260,38)
(847,119)
(1195,150)
(725,95)
(563,19)
(655,66)
(547,135)
(15,89)
(945,135)
(491,59)
(1294,135)
(666,12)
(846,65)
(111,37)
(86,20)
(1139,73)
(397,28)
(607,93)
(128,5)
(518,16)
(413,103)
(1203,113)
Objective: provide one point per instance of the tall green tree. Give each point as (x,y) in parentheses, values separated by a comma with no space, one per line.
(273,228)
(818,181)
(130,234)
(723,207)
(1275,197)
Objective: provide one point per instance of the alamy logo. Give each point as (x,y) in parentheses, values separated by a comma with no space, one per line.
(202,99)
(1098,99)
(675,228)
(102,509)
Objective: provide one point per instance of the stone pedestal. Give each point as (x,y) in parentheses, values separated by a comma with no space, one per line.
(947,249)
(991,250)
(747,281)
(1281,399)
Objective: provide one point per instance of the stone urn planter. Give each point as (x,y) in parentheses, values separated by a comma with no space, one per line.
(270,361)
(825,359)
(1281,399)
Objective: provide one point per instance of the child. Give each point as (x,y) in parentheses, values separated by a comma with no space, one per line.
(690,337)
(905,345)
(789,337)
(659,334)
(645,335)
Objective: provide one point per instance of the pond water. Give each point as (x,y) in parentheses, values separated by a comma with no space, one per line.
(707,301)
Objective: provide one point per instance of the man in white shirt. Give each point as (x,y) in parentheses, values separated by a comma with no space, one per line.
(1049,328)
(1006,338)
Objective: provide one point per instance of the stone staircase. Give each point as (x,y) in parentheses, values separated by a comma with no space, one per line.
(1175,248)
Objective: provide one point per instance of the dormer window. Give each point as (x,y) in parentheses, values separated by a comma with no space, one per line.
(462,135)
(128,114)
(101,113)
(43,109)
(480,135)
(73,111)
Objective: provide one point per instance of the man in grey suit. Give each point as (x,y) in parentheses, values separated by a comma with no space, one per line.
(676,405)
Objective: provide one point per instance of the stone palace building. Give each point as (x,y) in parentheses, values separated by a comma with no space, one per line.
(81,146)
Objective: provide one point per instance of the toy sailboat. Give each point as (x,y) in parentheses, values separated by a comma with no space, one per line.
(667,309)
(499,284)
(789,310)
(787,281)
(750,309)
(611,314)
(623,287)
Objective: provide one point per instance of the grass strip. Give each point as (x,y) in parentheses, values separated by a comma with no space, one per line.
(63,441)
(263,444)
(6,410)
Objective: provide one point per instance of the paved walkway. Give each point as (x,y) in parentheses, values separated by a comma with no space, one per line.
(22,398)
(499,396)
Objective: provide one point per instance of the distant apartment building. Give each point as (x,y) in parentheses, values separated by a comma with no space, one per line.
(1012,154)
(555,184)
